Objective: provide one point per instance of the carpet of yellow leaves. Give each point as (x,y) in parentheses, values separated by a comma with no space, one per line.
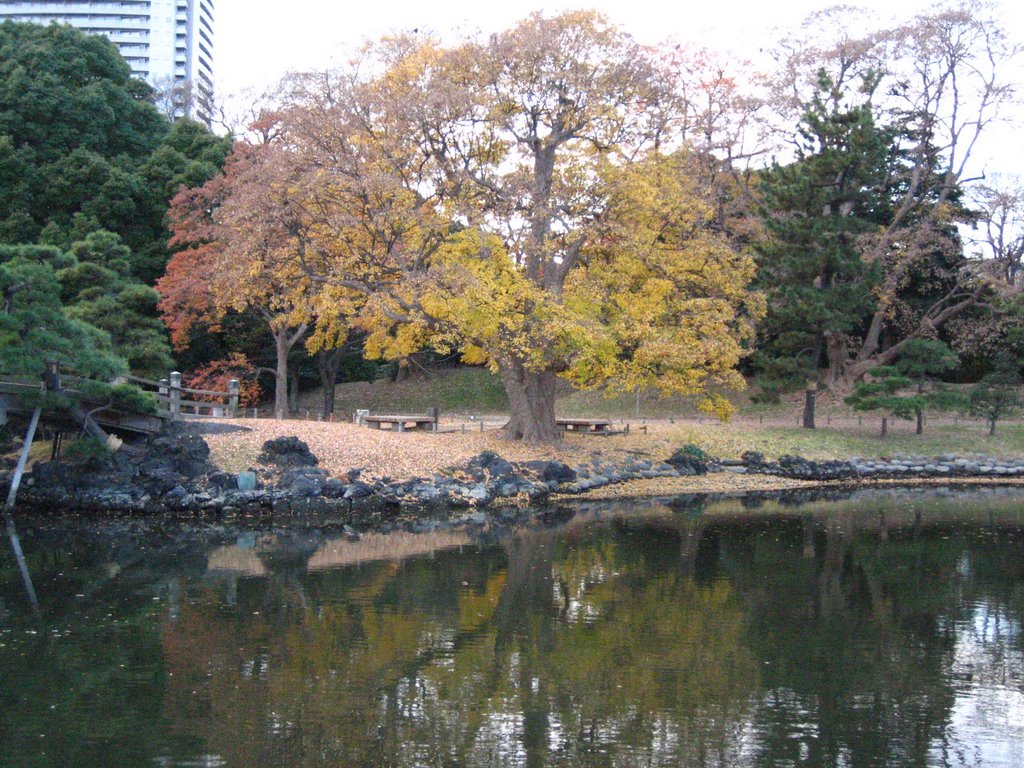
(235,445)
(399,455)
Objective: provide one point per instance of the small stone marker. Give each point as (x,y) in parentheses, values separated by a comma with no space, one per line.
(246,481)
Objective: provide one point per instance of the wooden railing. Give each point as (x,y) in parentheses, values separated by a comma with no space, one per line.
(14,387)
(172,402)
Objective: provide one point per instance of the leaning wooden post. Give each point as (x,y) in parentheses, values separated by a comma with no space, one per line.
(233,398)
(175,392)
(12,533)
(23,459)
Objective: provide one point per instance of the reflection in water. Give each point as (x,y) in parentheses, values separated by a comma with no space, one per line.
(877,631)
(19,557)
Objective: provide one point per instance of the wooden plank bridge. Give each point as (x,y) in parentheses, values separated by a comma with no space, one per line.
(173,402)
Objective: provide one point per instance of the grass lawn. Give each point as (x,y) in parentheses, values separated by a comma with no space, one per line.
(846,441)
(461,391)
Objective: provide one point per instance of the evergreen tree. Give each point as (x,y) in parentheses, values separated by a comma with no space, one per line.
(35,330)
(99,289)
(82,148)
(819,289)
(909,388)
(95,287)
(998,394)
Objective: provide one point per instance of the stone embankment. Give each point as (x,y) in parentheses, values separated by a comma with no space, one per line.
(900,467)
(172,473)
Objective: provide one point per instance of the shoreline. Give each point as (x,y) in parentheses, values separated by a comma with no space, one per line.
(740,484)
(177,472)
(373,508)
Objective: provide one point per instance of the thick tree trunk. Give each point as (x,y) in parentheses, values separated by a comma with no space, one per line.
(283,342)
(885,427)
(991,427)
(920,421)
(838,356)
(531,398)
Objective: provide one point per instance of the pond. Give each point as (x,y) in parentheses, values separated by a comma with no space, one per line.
(881,628)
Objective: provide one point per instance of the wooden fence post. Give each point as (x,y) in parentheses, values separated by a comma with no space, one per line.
(175,393)
(233,398)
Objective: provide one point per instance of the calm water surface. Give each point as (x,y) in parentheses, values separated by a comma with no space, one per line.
(877,630)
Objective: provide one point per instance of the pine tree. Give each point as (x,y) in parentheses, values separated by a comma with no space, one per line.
(909,388)
(814,209)
(998,394)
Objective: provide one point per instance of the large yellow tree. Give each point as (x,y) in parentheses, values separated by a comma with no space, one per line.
(521,199)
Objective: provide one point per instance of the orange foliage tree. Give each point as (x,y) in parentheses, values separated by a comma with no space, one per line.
(216,376)
(234,265)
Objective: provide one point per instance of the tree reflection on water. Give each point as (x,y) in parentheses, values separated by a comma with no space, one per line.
(835,633)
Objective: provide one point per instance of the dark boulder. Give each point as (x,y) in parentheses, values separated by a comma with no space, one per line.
(551,471)
(685,463)
(753,459)
(358,490)
(222,480)
(289,476)
(177,447)
(495,467)
(333,488)
(287,451)
(305,486)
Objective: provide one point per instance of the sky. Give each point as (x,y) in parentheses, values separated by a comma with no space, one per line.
(259,41)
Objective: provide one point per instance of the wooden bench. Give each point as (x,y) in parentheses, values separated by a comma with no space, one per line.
(400,423)
(593,426)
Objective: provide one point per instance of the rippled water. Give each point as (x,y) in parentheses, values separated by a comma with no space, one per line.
(878,630)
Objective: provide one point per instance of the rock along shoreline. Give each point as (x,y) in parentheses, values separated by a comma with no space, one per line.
(172,473)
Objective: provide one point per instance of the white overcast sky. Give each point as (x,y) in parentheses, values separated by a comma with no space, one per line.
(259,41)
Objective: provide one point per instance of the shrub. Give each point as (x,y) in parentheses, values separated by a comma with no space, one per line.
(218,375)
(88,451)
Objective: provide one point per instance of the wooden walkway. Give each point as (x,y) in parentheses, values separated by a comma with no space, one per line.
(168,393)
(109,418)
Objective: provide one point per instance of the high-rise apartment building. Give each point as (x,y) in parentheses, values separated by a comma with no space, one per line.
(168,43)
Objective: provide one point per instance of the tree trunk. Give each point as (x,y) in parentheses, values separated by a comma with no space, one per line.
(531,398)
(51,380)
(293,390)
(838,356)
(810,396)
(991,427)
(281,373)
(283,342)
(327,364)
(920,421)
(885,427)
